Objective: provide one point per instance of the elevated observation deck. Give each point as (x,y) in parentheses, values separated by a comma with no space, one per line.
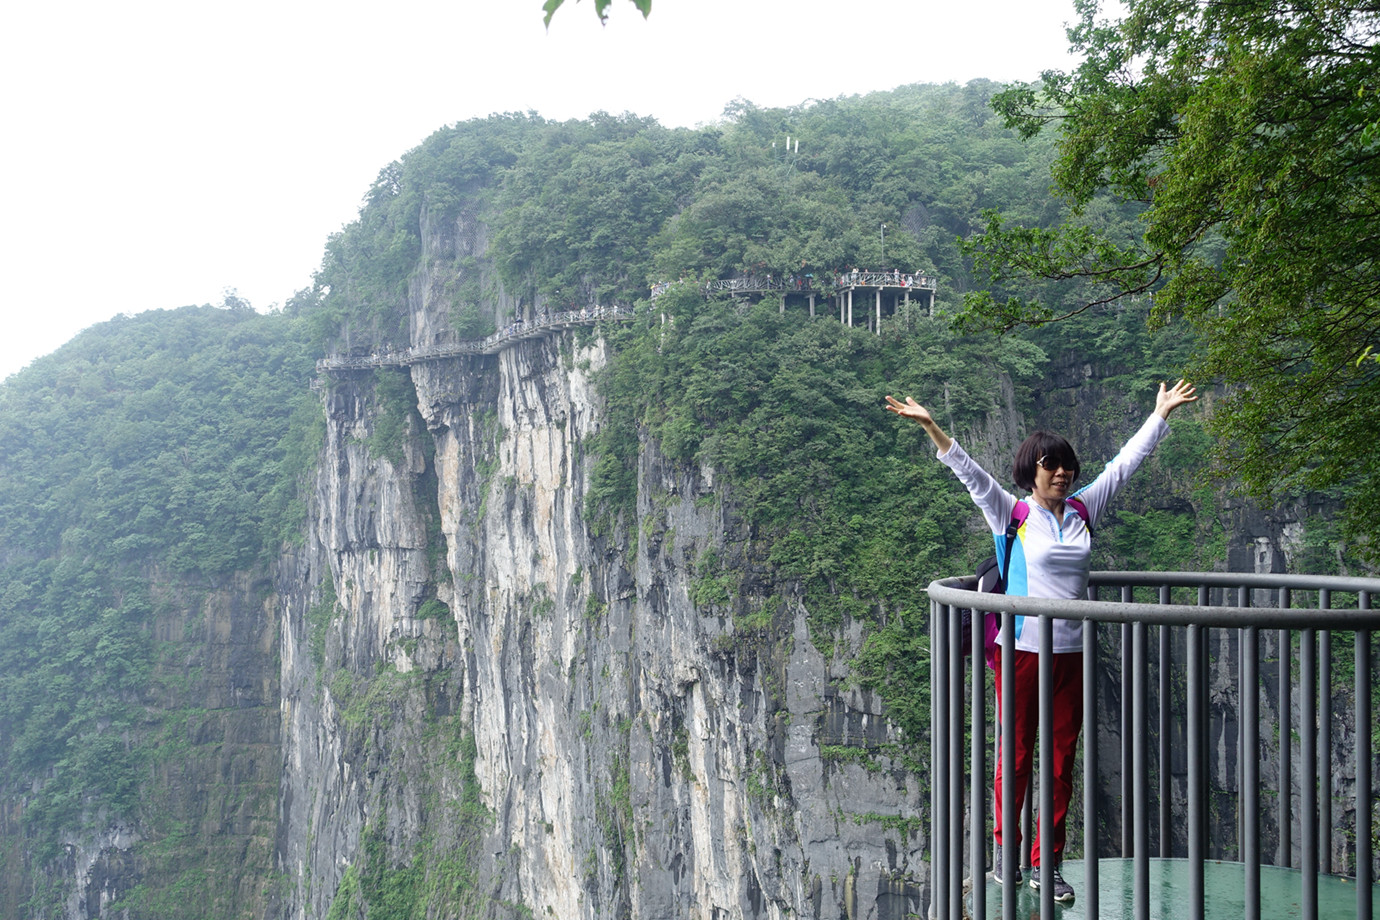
(1170,888)
(824,283)
(1181,839)
(890,291)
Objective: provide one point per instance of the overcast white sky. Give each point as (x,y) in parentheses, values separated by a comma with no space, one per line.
(159,152)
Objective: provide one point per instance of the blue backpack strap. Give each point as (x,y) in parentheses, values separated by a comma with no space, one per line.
(1018,516)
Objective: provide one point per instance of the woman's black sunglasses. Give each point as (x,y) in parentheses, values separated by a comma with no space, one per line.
(1051,464)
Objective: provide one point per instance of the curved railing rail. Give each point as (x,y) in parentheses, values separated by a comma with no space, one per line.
(1289,608)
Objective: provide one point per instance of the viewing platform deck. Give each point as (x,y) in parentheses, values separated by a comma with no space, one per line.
(890,290)
(829,283)
(1170,891)
(1246,787)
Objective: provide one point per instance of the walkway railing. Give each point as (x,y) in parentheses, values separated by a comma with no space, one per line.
(542,325)
(1280,607)
(885,279)
(808,283)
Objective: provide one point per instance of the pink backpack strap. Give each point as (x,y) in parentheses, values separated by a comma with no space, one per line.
(1081,510)
(1022,511)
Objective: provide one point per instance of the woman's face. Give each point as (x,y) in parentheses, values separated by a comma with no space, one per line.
(1052,485)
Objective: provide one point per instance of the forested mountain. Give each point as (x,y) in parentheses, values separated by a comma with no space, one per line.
(531,633)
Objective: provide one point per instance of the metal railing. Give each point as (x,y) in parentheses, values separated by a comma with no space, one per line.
(540,325)
(885,279)
(1242,604)
(810,284)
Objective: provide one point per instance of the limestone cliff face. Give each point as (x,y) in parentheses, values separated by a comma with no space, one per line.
(633,757)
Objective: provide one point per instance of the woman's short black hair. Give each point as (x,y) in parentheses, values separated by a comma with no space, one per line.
(1041,444)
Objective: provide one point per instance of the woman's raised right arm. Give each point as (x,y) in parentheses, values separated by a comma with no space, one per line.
(994,501)
(912,409)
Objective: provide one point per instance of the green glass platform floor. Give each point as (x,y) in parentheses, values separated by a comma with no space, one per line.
(1280,892)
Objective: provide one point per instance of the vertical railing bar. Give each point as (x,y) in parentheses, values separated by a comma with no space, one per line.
(1308,761)
(977,800)
(939,676)
(1204,717)
(1243,599)
(1140,761)
(1197,813)
(1128,786)
(1364,825)
(1165,802)
(1090,841)
(1128,840)
(1211,847)
(1047,864)
(956,724)
(1285,856)
(1250,763)
(1009,816)
(1325,751)
(934,759)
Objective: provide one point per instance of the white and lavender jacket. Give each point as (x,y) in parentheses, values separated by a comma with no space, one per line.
(1051,557)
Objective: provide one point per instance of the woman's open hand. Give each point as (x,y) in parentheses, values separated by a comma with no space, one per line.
(1171,398)
(908,409)
(913,410)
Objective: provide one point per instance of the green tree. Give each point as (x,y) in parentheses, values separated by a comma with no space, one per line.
(1244,134)
(600,8)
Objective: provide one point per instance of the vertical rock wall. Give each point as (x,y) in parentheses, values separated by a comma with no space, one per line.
(635,753)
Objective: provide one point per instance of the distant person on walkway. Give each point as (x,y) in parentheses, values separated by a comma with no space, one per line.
(1049,559)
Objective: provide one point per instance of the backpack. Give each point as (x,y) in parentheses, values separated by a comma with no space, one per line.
(991,579)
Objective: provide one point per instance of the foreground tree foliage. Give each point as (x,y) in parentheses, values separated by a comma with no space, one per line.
(1249,134)
(600,8)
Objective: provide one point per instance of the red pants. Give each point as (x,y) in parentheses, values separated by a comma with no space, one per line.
(1068,722)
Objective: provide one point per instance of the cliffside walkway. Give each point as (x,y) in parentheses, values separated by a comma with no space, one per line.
(890,290)
(1193,843)
(520,330)
(840,286)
